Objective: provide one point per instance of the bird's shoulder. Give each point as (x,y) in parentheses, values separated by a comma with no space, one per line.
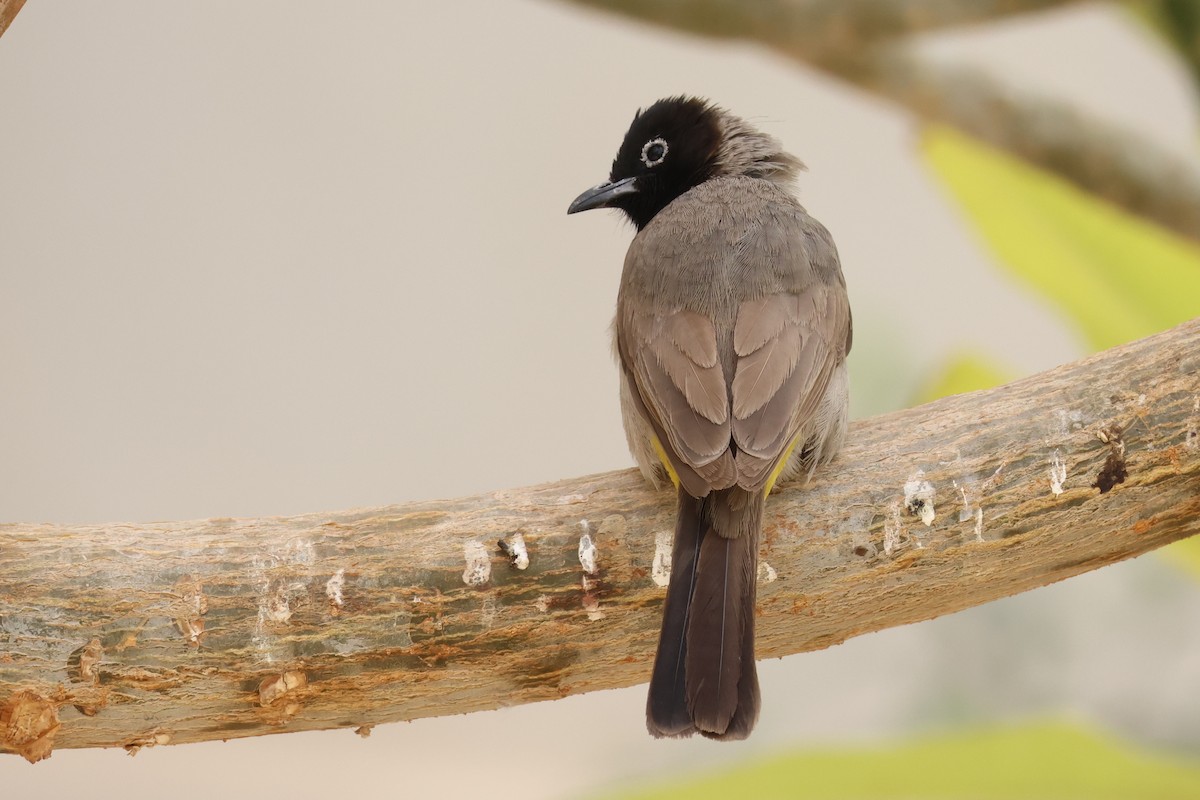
(728,201)
(743,230)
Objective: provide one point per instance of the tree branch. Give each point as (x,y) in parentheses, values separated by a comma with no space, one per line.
(140,634)
(8,11)
(818,30)
(1104,159)
(862,41)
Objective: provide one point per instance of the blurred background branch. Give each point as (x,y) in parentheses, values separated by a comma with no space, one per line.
(818,31)
(8,10)
(862,41)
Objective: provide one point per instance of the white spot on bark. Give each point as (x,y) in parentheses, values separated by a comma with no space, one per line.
(571,499)
(517,552)
(588,559)
(660,569)
(587,549)
(766,573)
(333,590)
(979,524)
(1058,473)
(479,564)
(542,603)
(919,496)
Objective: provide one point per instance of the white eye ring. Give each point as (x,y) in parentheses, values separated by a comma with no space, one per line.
(646,149)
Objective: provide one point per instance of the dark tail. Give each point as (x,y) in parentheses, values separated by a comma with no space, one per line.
(704,678)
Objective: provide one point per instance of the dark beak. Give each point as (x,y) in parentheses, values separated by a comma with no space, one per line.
(603,196)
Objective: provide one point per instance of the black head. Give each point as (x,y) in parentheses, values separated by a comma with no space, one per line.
(676,144)
(669,148)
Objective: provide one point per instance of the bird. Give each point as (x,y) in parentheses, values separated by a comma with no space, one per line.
(731,333)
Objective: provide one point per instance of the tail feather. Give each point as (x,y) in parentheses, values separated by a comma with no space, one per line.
(666,708)
(704,675)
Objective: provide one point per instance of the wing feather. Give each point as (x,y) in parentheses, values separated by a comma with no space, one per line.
(778,387)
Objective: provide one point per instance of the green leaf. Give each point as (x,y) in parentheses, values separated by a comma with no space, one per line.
(962,372)
(1116,276)
(1036,762)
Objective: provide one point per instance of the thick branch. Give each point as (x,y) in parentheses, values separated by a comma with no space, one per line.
(862,41)
(143,634)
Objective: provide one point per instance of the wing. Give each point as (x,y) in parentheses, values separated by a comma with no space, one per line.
(786,347)
(720,432)
(672,361)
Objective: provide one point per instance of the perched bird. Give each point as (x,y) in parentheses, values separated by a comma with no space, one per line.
(731,331)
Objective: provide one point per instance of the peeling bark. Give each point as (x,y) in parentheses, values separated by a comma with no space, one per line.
(134,635)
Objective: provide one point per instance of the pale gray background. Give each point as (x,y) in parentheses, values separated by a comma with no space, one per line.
(268,258)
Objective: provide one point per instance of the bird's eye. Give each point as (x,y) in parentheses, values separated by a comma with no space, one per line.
(653,152)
